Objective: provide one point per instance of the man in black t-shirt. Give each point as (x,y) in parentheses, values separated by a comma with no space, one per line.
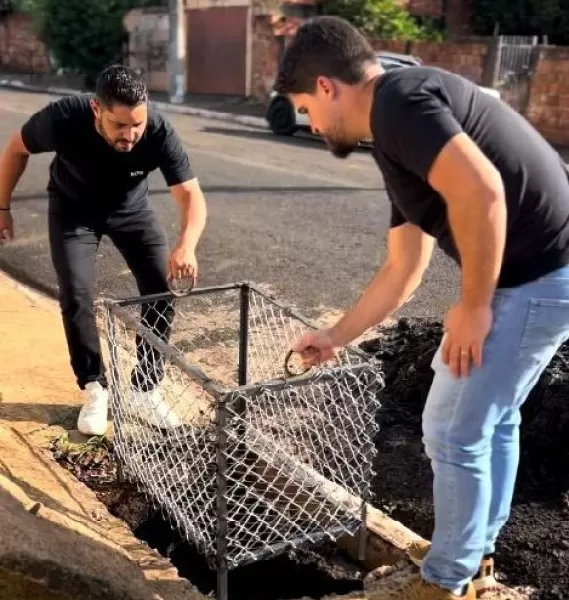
(465,170)
(105,147)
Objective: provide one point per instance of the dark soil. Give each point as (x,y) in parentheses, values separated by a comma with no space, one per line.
(312,572)
(534,546)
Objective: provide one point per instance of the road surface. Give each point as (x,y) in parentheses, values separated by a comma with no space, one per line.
(283,213)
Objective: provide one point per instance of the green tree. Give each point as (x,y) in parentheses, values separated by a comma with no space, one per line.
(84,36)
(382,18)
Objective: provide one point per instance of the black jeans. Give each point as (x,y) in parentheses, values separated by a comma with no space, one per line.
(74,239)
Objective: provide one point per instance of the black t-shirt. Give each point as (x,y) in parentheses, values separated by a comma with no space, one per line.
(416,111)
(87,172)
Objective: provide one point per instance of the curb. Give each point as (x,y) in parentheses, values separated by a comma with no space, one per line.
(181,109)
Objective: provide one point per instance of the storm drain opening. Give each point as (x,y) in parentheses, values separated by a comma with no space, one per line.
(248,459)
(315,571)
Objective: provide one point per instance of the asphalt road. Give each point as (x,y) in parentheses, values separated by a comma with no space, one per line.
(283,213)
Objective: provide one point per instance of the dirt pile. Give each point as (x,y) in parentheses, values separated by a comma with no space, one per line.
(534,546)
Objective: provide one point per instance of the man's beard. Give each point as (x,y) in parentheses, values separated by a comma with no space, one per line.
(338,145)
(113,143)
(341,150)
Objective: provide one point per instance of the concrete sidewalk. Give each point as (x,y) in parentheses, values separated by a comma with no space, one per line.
(57,541)
(37,384)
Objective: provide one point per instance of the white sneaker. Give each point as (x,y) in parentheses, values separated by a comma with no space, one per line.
(93,415)
(151,407)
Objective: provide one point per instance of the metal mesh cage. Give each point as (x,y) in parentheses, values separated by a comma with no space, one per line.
(245,461)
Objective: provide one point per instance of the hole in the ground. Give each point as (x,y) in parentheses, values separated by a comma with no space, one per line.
(314,573)
(310,572)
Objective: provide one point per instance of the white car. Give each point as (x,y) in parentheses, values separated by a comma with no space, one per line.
(284,120)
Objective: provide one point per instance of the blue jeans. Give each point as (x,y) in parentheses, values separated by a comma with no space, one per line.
(471,426)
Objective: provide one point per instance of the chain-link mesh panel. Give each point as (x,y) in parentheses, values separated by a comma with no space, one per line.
(249,469)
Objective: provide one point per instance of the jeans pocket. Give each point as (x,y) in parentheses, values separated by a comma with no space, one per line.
(547,322)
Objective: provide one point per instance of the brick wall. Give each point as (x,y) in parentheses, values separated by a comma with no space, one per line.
(548,105)
(20,50)
(265,56)
(465,57)
(425,8)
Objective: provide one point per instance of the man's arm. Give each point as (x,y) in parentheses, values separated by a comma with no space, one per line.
(473,191)
(175,166)
(37,135)
(409,254)
(193,210)
(13,162)
(179,176)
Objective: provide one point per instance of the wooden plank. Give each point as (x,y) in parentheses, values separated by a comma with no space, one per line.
(282,480)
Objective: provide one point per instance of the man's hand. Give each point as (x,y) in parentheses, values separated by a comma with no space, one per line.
(466,330)
(6,226)
(315,347)
(183,263)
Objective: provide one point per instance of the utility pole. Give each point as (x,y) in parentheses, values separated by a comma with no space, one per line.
(177,51)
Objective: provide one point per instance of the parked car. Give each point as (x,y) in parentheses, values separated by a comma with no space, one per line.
(283,119)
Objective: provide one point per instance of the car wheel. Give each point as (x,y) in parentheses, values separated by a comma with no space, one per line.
(281,117)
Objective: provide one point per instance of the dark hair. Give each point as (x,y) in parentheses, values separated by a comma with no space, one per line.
(119,84)
(323,46)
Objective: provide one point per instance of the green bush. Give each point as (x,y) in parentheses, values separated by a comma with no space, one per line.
(84,36)
(382,19)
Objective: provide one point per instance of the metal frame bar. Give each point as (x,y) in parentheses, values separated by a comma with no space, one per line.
(280,548)
(221,503)
(170,296)
(254,390)
(244,297)
(240,405)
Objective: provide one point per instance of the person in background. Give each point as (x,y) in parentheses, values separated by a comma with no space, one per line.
(105,146)
(463,169)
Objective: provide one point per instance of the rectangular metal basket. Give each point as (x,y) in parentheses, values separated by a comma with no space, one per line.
(245,461)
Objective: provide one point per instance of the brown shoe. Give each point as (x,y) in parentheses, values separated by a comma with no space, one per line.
(484,581)
(414,588)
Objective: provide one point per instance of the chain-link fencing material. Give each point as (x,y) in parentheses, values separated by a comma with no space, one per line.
(242,460)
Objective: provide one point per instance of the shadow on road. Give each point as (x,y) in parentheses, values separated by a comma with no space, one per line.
(43,196)
(334,189)
(236,189)
(300,139)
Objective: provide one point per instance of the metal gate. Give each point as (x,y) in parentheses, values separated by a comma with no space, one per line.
(516,59)
(217,50)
